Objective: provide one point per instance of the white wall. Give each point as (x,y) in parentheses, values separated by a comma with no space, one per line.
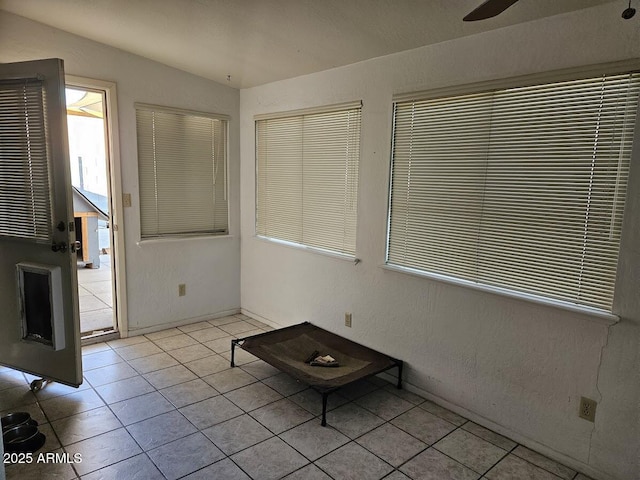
(517,366)
(209,267)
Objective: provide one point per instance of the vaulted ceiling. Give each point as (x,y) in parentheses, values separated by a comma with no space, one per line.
(245,43)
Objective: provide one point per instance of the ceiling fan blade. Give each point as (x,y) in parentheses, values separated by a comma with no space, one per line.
(489,9)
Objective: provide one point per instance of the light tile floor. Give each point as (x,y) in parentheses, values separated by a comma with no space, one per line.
(167,405)
(95,297)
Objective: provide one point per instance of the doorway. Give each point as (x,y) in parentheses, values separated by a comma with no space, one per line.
(90,106)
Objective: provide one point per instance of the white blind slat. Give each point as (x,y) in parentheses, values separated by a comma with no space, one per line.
(520,188)
(307,178)
(25,203)
(182,169)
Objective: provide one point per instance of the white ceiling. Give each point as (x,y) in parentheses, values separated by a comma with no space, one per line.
(261,41)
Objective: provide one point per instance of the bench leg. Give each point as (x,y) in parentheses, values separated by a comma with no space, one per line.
(400,364)
(233,353)
(324,409)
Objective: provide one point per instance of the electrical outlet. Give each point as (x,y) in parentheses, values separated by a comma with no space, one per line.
(347,319)
(182,290)
(126,200)
(587,409)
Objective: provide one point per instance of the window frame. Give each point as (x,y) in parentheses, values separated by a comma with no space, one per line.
(225,125)
(324,109)
(570,74)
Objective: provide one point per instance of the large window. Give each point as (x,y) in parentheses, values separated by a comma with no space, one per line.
(307,177)
(519,188)
(182,159)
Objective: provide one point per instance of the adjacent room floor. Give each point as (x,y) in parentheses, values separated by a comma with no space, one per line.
(95,297)
(168,405)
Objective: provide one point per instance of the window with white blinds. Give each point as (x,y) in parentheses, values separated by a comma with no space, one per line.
(519,188)
(182,159)
(307,177)
(25,202)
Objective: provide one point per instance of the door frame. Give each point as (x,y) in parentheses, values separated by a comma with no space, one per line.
(115,190)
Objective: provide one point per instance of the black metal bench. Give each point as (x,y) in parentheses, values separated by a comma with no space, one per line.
(288,348)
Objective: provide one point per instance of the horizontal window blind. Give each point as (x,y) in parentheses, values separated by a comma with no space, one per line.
(307,178)
(25,202)
(520,188)
(182,171)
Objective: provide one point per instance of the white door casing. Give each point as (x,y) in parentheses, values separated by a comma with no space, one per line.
(115,189)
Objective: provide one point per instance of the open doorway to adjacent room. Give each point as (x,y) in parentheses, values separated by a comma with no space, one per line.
(89,156)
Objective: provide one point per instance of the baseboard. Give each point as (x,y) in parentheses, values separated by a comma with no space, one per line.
(260,318)
(180,323)
(474,417)
(100,337)
(504,431)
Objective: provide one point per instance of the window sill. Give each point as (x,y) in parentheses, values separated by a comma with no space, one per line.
(318,251)
(179,238)
(600,316)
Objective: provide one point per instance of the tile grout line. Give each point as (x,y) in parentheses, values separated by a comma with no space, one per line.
(156,390)
(352,400)
(350,440)
(316,418)
(124,427)
(174,408)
